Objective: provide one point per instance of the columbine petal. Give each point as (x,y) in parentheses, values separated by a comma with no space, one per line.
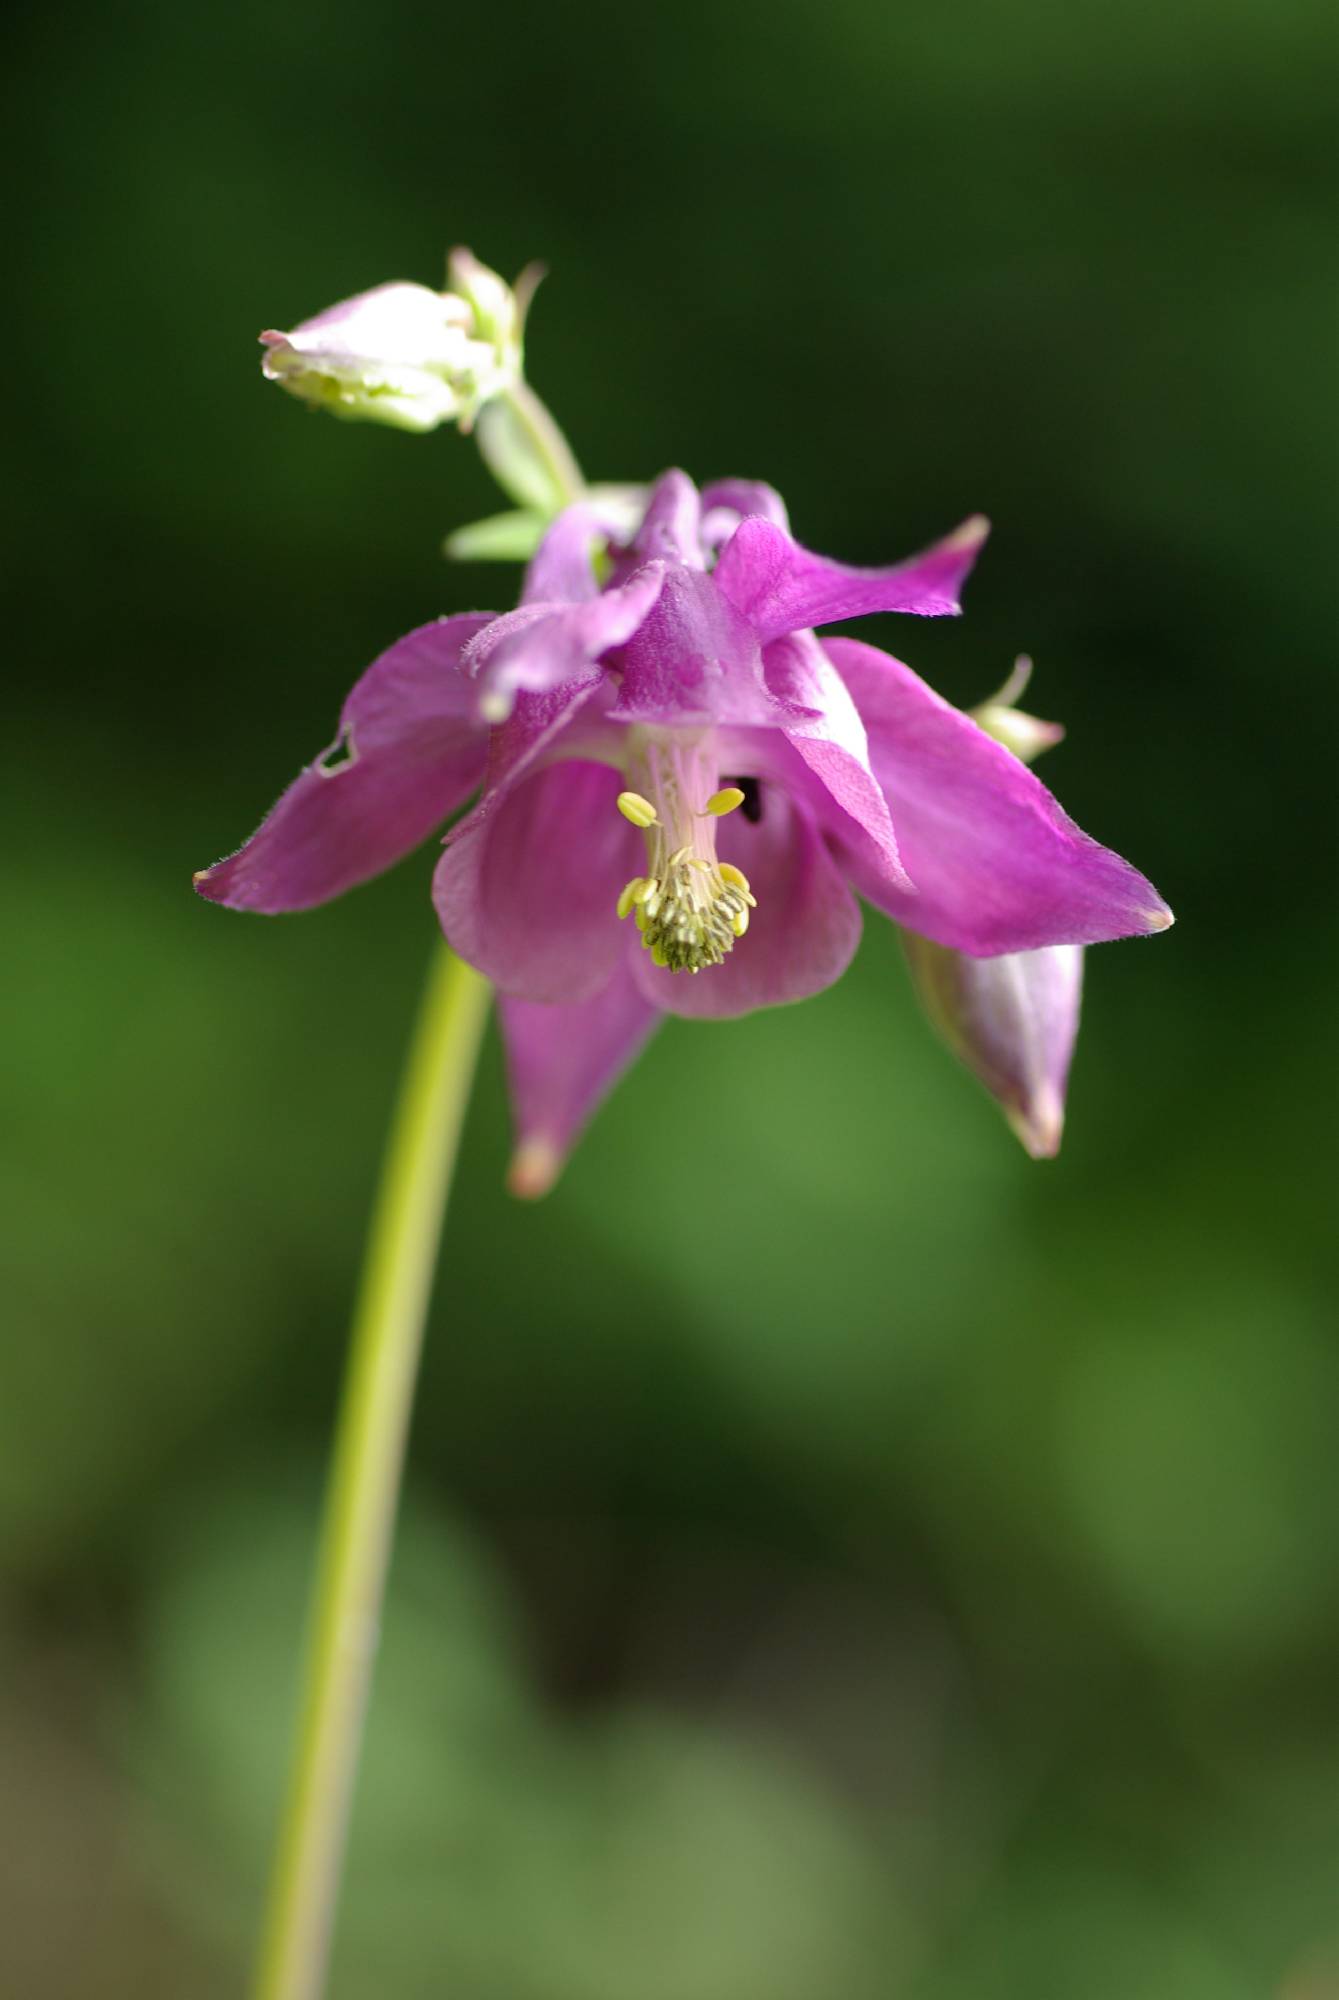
(527,892)
(726,502)
(562,570)
(693,659)
(1012,1021)
(824,726)
(801,937)
(670,530)
(410,750)
(543,645)
(780,587)
(561,1063)
(998,866)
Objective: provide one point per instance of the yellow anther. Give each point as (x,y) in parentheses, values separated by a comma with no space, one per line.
(725,800)
(689,907)
(639,810)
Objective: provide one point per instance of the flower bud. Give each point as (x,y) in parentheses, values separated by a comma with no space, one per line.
(1012,1021)
(404,355)
(1026,735)
(496,309)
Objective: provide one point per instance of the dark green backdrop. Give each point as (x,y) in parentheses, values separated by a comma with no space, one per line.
(843,1560)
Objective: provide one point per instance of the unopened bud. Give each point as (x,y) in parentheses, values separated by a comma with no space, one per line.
(1012,1022)
(403,354)
(1026,735)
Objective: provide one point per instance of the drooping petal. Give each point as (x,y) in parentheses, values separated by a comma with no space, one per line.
(561,1063)
(780,587)
(801,937)
(1012,1021)
(410,750)
(528,893)
(823,724)
(997,865)
(544,645)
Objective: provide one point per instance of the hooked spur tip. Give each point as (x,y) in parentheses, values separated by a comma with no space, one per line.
(971,534)
(535,1166)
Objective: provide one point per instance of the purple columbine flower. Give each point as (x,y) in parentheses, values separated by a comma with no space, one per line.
(682,792)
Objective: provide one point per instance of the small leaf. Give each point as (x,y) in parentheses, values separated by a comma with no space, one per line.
(511,537)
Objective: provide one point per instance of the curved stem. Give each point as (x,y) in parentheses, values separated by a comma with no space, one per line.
(551,447)
(364,1482)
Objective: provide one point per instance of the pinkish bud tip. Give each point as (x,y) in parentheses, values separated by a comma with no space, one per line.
(535,1166)
(1041,1126)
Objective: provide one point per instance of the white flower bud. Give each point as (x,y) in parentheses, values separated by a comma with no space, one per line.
(404,355)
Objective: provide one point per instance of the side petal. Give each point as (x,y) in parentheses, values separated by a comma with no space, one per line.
(780,587)
(410,750)
(998,866)
(801,937)
(544,645)
(563,722)
(529,892)
(826,730)
(562,1061)
(1012,1021)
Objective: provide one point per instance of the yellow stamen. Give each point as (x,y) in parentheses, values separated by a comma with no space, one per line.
(724,801)
(688,905)
(639,810)
(729,873)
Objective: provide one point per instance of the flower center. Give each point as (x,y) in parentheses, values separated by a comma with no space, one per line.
(689,907)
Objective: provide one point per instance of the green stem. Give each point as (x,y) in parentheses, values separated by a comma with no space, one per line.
(364,1483)
(526,452)
(551,447)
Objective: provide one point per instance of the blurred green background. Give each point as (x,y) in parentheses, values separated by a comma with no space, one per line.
(842,1560)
